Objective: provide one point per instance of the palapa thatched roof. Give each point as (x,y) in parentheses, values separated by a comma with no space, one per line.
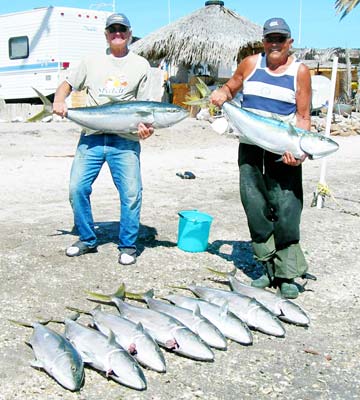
(212,34)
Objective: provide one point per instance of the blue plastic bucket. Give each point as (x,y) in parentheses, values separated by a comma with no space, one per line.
(194,229)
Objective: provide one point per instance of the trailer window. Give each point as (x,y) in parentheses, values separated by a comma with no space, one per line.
(18,47)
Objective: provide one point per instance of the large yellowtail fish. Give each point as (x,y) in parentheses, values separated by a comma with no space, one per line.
(119,117)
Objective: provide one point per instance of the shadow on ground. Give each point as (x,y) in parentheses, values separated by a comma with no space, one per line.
(240,253)
(108,232)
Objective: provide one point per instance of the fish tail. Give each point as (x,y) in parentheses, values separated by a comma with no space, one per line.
(203,88)
(78,310)
(120,293)
(217,272)
(203,100)
(179,287)
(140,296)
(21,323)
(45,112)
(99,296)
(40,321)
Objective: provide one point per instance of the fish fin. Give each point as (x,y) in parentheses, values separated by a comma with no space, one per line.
(37,364)
(253,301)
(224,309)
(197,312)
(45,112)
(140,327)
(111,338)
(86,357)
(143,113)
(120,291)
(292,131)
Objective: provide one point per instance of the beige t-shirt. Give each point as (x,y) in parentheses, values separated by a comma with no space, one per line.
(107,78)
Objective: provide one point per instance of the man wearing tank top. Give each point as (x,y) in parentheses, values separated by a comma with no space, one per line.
(274,84)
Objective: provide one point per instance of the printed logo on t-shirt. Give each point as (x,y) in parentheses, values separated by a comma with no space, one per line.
(114,86)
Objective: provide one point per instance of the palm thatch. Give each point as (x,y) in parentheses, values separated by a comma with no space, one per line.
(345,6)
(212,34)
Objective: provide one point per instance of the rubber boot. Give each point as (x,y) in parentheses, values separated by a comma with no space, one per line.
(265,280)
(288,289)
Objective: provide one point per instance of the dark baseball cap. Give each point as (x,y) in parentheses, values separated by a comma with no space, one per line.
(276,25)
(117,18)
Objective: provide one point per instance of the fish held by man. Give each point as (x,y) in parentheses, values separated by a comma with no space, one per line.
(276,136)
(118,117)
(270,134)
(56,355)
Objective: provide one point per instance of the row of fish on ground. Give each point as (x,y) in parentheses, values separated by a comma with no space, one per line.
(117,345)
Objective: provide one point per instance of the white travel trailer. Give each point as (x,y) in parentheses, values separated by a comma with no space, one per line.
(37,47)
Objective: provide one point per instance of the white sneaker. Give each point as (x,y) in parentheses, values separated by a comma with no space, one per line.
(127,259)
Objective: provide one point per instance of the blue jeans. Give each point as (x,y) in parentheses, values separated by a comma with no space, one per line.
(123,158)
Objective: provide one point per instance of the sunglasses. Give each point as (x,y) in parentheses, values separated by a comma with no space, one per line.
(275,39)
(120,28)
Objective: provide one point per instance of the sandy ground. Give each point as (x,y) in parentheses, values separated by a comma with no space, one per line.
(38,280)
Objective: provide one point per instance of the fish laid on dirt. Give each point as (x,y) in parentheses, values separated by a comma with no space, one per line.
(196,322)
(132,337)
(119,117)
(277,136)
(105,354)
(166,330)
(283,308)
(254,314)
(56,355)
(227,322)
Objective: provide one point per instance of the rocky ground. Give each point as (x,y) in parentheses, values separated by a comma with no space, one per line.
(39,281)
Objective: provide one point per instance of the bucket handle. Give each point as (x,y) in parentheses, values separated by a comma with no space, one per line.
(194,221)
(189,219)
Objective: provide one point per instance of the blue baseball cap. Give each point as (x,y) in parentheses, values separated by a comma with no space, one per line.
(117,18)
(276,25)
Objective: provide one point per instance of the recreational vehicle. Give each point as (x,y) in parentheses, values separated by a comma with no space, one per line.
(38,47)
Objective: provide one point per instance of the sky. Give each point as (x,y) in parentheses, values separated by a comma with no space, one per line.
(314,23)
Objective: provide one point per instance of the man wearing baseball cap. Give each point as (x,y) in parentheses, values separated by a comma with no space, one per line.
(117,74)
(276,85)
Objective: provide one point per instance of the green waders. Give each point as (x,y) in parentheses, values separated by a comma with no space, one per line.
(272,197)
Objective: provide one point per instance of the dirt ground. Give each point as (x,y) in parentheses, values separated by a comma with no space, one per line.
(38,281)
